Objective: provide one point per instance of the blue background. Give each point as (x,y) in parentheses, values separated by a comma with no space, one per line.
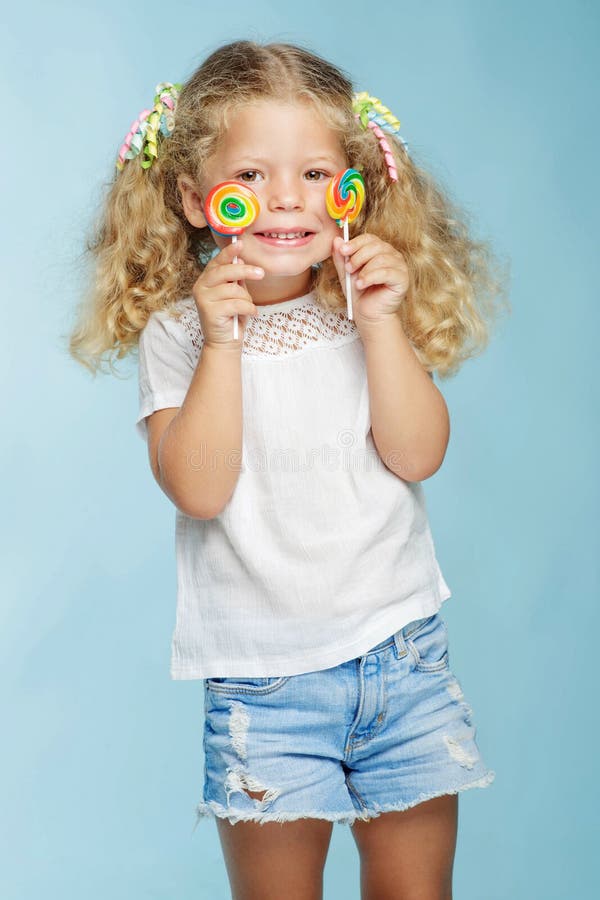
(101,755)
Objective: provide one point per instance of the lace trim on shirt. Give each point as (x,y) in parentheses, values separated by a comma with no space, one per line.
(282,333)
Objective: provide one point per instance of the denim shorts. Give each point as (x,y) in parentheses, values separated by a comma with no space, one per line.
(381,732)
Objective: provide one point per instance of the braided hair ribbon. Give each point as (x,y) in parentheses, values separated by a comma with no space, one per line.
(371,113)
(143,134)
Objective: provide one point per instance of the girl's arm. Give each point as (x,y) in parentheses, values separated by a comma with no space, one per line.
(199,452)
(409,416)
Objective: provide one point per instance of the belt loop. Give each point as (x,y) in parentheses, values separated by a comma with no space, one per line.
(400,648)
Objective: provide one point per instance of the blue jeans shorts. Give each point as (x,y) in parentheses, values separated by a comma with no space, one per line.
(381,732)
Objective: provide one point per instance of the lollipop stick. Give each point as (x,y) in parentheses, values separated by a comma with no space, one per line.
(348,281)
(235,318)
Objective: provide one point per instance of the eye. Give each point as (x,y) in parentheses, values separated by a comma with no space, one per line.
(249,172)
(317,172)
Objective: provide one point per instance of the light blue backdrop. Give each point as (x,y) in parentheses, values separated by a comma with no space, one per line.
(101,753)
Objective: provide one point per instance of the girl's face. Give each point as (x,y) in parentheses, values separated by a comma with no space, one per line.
(288,155)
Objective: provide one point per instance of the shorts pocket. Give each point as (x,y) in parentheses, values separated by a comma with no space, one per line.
(253,685)
(428,644)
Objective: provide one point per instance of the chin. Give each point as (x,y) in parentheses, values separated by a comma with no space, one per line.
(283,272)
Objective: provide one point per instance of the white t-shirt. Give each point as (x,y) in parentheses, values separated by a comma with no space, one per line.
(321,552)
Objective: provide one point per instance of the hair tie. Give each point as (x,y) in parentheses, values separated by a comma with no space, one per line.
(143,134)
(371,113)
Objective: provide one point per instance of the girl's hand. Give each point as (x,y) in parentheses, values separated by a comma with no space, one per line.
(383,273)
(219,297)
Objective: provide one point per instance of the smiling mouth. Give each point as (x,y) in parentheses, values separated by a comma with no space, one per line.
(274,239)
(284,235)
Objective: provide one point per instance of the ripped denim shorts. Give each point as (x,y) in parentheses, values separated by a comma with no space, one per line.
(381,732)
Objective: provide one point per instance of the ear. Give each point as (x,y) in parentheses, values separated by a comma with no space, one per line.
(191,200)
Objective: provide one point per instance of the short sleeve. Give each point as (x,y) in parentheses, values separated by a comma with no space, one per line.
(165,367)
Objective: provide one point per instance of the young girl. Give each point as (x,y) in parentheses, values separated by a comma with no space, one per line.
(308,587)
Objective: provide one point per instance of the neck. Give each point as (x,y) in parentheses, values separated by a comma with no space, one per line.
(278,289)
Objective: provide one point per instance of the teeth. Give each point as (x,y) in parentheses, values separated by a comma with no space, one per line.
(280,234)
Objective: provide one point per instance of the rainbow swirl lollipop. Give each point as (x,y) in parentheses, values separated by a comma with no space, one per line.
(344,199)
(230,207)
(345,196)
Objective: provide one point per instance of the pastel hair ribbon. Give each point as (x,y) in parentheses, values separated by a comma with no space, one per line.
(371,113)
(143,134)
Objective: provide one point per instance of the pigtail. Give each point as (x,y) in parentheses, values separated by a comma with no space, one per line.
(457,285)
(140,246)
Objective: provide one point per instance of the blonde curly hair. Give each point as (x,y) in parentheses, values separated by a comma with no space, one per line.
(146,255)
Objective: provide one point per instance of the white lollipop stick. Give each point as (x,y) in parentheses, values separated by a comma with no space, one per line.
(348,281)
(235,318)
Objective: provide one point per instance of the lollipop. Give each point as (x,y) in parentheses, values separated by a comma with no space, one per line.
(345,197)
(229,208)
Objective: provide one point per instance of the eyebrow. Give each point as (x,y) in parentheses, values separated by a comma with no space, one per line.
(318,157)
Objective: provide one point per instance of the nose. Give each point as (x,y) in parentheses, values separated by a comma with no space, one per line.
(285,193)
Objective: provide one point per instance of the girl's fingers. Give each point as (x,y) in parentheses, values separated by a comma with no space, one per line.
(226,255)
(362,257)
(224,252)
(234,292)
(388,276)
(338,262)
(232,272)
(359,240)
